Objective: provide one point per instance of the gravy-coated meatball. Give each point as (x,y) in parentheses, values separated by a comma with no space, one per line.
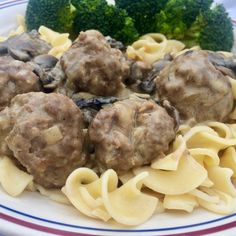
(46,136)
(130,133)
(16,77)
(196,87)
(91,65)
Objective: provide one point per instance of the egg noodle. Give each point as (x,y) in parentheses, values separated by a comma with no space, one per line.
(59,42)
(198,170)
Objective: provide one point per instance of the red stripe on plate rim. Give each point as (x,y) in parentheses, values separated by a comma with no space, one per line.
(39,227)
(68,233)
(46,229)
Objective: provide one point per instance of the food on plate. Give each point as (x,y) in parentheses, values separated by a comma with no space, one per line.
(10,175)
(196,87)
(59,42)
(130,133)
(103,199)
(178,16)
(91,65)
(16,77)
(24,47)
(153,47)
(45,136)
(142,12)
(108,19)
(194,22)
(55,14)
(197,23)
(120,131)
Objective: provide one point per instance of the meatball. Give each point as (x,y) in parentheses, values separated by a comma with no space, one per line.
(46,136)
(130,133)
(24,47)
(16,77)
(196,87)
(91,65)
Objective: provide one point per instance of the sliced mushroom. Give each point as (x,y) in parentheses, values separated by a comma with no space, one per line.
(24,47)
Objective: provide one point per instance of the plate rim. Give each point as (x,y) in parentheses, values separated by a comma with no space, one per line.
(42,228)
(52,230)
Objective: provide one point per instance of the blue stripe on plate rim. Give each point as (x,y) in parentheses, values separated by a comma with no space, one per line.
(116,230)
(10,3)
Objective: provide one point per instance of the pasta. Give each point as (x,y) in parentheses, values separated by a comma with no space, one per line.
(13,180)
(171,182)
(100,197)
(225,205)
(185,202)
(152,47)
(228,160)
(60,42)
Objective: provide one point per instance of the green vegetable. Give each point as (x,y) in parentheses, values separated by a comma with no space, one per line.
(216,30)
(178,15)
(55,14)
(143,12)
(108,19)
(195,23)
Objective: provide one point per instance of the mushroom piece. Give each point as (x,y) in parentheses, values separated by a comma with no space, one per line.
(196,87)
(91,106)
(49,70)
(142,76)
(130,133)
(24,47)
(115,44)
(226,65)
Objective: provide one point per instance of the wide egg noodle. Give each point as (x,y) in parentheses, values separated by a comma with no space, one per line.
(13,180)
(205,156)
(198,194)
(223,130)
(205,137)
(225,205)
(221,177)
(228,160)
(184,202)
(53,194)
(60,42)
(171,182)
(83,189)
(171,161)
(127,204)
(152,47)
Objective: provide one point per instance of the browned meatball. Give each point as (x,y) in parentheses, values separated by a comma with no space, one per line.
(16,77)
(130,133)
(91,65)
(46,136)
(196,87)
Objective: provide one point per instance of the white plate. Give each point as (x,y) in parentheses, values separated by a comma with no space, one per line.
(33,214)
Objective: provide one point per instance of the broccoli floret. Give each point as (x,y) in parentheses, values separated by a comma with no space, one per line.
(217,31)
(55,14)
(108,19)
(143,12)
(178,15)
